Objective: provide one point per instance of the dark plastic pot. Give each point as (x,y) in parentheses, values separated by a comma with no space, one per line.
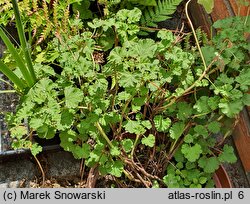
(5,155)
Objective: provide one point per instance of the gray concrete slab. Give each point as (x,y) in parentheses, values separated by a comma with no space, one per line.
(19,171)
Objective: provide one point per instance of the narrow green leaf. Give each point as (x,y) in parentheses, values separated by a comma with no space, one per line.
(12,77)
(24,44)
(18,59)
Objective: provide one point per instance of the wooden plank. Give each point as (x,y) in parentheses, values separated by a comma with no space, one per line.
(238,9)
(199,17)
(248,177)
(241,137)
(220,11)
(248,108)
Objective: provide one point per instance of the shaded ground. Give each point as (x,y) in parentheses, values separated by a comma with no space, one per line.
(8,102)
(22,170)
(236,172)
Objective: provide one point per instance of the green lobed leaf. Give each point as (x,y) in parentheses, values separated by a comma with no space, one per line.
(202,180)
(18,131)
(35,149)
(147,124)
(227,155)
(35,123)
(210,165)
(184,110)
(202,105)
(149,141)
(80,152)
(162,124)
(201,130)
(127,144)
(124,96)
(244,80)
(117,169)
(213,102)
(73,96)
(67,118)
(192,153)
(134,127)
(214,127)
(208,5)
(176,130)
(179,156)
(171,181)
(230,108)
(45,131)
(246,99)
(67,138)
(188,138)
(114,151)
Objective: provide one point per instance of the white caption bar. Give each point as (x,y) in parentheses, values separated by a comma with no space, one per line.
(126,196)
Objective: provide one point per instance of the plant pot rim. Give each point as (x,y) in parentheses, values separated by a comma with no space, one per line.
(221,178)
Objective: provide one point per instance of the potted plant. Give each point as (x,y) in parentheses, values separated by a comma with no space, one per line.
(141,108)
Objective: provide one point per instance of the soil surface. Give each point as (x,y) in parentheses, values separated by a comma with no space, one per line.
(235,171)
(8,102)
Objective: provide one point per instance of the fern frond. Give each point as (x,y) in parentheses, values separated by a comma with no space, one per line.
(160,12)
(34,5)
(201,36)
(28,6)
(5,5)
(65,19)
(45,10)
(46,31)
(187,44)
(55,12)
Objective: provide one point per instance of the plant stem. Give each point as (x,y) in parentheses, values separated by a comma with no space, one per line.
(195,36)
(41,168)
(6,82)
(134,146)
(7,91)
(123,111)
(103,134)
(248,10)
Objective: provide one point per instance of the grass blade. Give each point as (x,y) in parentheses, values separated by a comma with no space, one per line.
(23,41)
(18,59)
(7,91)
(11,75)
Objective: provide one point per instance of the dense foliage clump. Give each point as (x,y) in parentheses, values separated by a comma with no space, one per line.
(143,109)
